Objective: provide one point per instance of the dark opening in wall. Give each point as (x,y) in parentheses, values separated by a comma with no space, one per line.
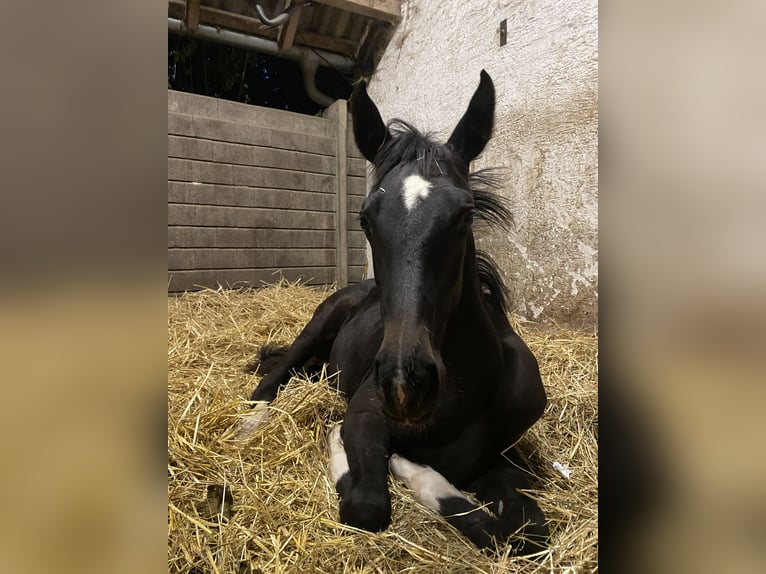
(231,73)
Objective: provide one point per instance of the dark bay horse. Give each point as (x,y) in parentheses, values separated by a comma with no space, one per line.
(438,383)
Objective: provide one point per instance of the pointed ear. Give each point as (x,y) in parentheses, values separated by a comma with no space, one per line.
(369,130)
(475,127)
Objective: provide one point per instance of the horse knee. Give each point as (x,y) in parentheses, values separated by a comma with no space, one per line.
(269,356)
(267,389)
(367,510)
(524,521)
(521,520)
(475,524)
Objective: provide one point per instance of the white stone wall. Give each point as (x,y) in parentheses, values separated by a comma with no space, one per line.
(546,130)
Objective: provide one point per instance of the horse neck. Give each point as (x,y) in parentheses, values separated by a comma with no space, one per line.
(470,323)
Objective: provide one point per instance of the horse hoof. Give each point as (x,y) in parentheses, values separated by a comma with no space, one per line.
(534,539)
(250,421)
(366,511)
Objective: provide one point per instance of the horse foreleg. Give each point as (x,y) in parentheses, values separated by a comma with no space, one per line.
(513,513)
(434,491)
(520,399)
(518,515)
(359,469)
(315,340)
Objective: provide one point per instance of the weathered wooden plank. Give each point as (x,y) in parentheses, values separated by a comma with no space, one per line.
(202,172)
(192,104)
(191,15)
(329,43)
(287,34)
(378,9)
(240,22)
(356,239)
(351,148)
(228,174)
(357,256)
(355,203)
(357,186)
(196,279)
(250,217)
(222,152)
(190,236)
(222,130)
(353,222)
(225,19)
(196,105)
(320,182)
(238,258)
(240,196)
(338,114)
(356,273)
(357,167)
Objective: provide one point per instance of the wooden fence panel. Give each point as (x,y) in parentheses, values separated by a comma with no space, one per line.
(184,236)
(256,194)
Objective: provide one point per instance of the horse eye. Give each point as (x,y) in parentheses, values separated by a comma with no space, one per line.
(467,220)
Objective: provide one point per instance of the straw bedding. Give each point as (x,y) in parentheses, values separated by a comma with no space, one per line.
(267,505)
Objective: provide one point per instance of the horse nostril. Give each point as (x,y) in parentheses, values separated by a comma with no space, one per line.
(400,394)
(426,371)
(429,381)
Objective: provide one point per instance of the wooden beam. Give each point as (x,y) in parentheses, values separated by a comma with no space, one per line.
(287,35)
(389,10)
(338,113)
(192,14)
(224,19)
(320,42)
(240,23)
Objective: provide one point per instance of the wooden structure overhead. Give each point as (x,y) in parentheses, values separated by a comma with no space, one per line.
(358,29)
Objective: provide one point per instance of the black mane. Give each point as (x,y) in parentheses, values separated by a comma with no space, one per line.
(408,145)
(495,290)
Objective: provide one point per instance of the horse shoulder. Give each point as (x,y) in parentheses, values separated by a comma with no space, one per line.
(519,395)
(356,343)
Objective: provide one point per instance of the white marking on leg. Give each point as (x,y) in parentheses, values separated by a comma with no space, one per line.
(338,461)
(427,485)
(252,419)
(415,189)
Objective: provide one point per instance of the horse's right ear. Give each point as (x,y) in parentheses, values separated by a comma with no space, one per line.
(370,132)
(475,127)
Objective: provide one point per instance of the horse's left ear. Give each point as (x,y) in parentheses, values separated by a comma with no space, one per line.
(370,132)
(475,127)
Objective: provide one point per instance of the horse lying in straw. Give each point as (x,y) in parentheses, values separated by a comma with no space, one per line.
(438,383)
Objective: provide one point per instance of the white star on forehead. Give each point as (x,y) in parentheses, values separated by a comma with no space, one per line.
(415,189)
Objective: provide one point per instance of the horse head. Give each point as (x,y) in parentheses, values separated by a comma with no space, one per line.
(418,220)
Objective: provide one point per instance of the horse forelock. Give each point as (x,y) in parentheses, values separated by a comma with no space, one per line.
(409,146)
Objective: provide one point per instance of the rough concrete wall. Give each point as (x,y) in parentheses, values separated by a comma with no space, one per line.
(546,130)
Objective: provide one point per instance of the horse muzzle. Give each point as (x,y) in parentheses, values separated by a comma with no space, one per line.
(408,389)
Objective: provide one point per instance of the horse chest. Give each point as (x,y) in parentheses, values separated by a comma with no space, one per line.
(460,457)
(355,345)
